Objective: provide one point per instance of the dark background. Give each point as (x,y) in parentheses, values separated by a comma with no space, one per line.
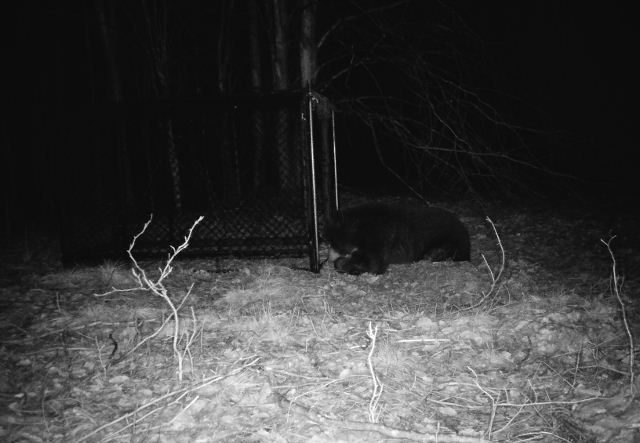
(562,74)
(573,64)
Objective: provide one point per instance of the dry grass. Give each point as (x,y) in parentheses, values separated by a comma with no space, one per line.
(268,353)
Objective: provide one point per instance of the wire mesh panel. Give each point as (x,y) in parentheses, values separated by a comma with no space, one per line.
(242,162)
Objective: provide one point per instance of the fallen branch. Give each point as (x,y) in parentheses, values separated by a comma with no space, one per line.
(376,427)
(178,394)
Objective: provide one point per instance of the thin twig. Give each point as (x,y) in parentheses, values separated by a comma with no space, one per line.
(158,288)
(493,403)
(616,291)
(494,278)
(374,412)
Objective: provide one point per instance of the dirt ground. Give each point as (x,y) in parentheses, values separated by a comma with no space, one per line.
(528,342)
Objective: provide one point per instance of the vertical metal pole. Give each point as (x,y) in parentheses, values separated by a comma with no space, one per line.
(335,160)
(315,253)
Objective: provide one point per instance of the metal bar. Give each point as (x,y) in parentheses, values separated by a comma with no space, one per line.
(335,160)
(314,256)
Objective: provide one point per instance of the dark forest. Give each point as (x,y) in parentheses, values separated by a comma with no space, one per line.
(437,99)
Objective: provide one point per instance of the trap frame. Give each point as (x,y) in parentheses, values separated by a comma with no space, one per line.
(261,169)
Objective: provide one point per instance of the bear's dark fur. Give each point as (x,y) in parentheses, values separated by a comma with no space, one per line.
(368,238)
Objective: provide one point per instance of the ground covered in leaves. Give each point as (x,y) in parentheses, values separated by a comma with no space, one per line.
(535,347)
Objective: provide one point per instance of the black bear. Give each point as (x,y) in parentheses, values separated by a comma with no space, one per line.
(369,237)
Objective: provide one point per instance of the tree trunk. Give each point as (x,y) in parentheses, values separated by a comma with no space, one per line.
(308,44)
(279,65)
(114,94)
(230,168)
(158,50)
(257,117)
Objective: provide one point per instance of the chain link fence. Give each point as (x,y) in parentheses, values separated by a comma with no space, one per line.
(245,163)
